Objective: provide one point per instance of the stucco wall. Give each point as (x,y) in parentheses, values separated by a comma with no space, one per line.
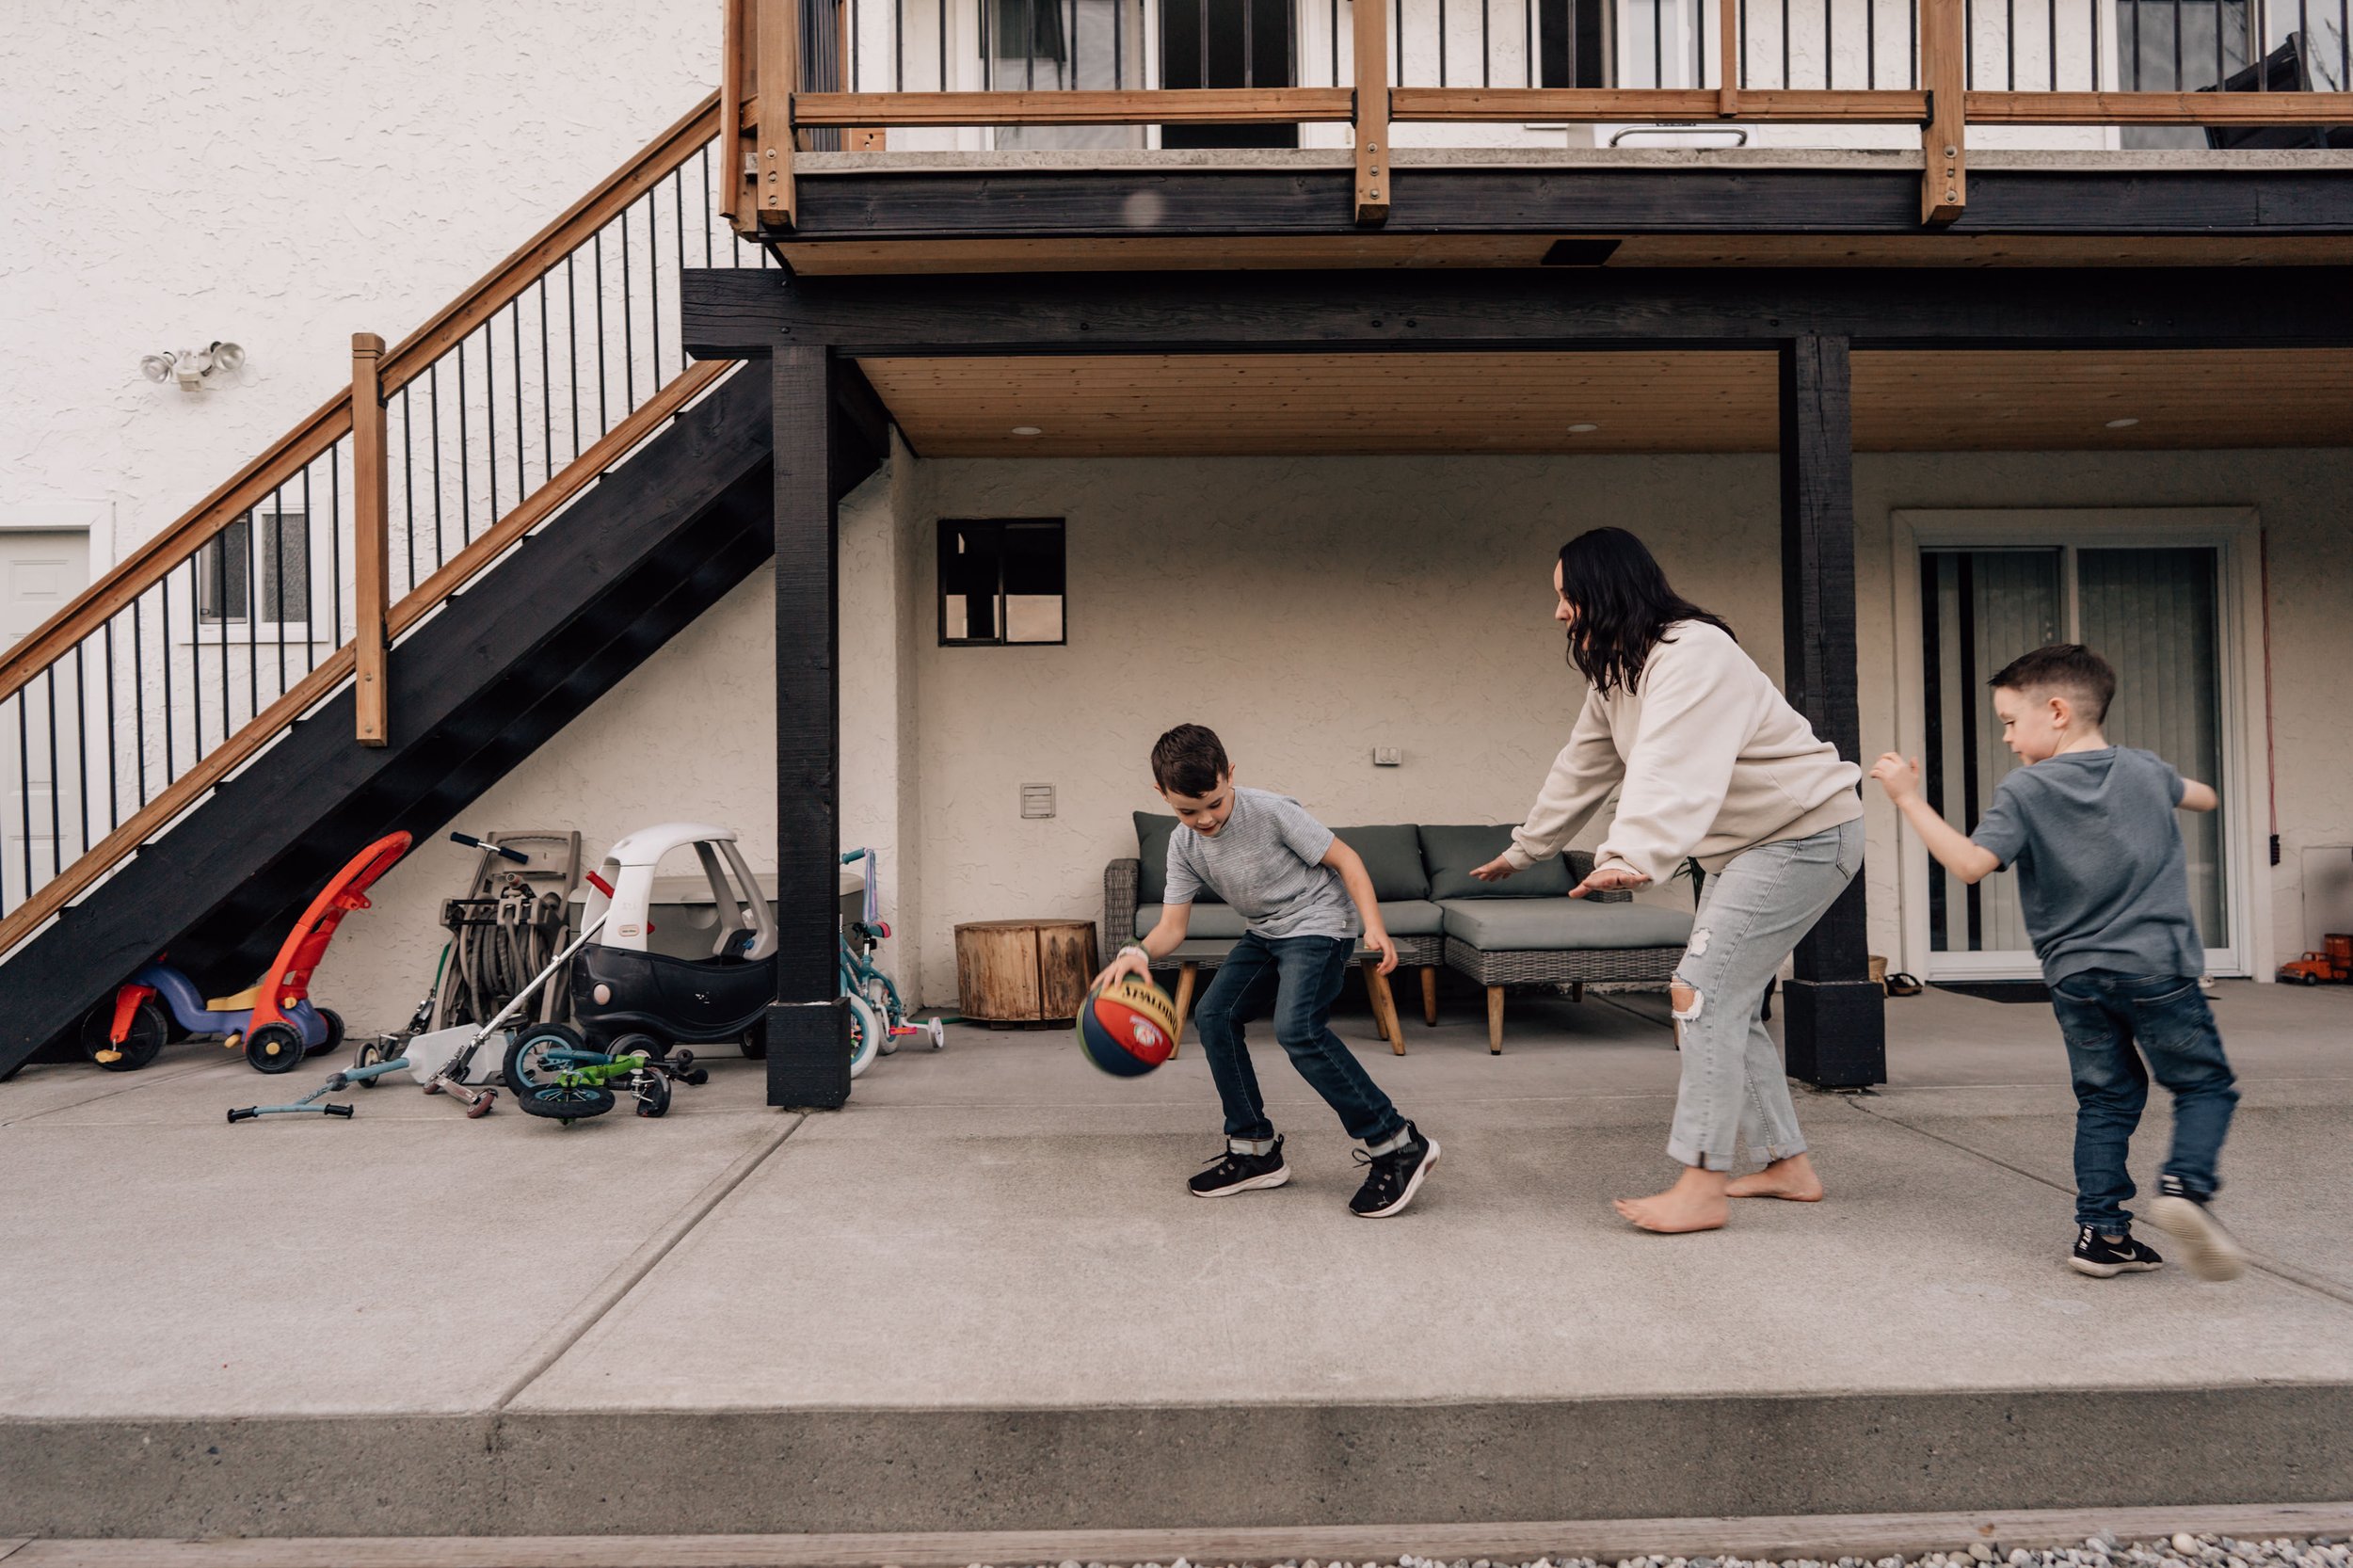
(281,174)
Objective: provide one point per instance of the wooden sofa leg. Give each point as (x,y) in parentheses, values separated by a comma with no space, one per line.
(1429,995)
(1185,978)
(1577,990)
(1384,1006)
(1494,1020)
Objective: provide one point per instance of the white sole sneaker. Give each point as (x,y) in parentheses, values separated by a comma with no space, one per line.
(1429,1163)
(1257,1183)
(2208,1251)
(2109,1270)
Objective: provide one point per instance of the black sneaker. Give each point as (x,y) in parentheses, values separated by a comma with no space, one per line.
(2210,1251)
(2102,1258)
(1236,1172)
(1391,1179)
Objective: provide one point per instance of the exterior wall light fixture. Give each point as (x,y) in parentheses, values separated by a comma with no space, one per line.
(192,367)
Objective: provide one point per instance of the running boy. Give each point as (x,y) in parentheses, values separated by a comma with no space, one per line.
(2105,888)
(1293,883)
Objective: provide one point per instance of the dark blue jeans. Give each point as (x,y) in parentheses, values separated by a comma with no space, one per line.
(1296,979)
(2104,1015)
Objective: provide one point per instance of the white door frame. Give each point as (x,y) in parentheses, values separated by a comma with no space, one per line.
(2234,533)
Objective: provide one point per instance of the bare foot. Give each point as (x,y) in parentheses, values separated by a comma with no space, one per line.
(1792,1178)
(1695,1202)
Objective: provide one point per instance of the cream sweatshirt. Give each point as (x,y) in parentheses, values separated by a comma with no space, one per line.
(1711,758)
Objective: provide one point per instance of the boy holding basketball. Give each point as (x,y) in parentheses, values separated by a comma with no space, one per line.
(1305,897)
(2104,888)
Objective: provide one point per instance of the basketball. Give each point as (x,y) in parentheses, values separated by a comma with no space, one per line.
(1128,1029)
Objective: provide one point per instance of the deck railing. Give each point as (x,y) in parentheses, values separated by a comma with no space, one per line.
(2224,71)
(187,659)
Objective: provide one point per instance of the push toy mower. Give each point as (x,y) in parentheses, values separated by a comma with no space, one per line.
(274,1021)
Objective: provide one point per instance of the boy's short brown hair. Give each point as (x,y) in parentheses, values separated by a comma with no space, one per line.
(2069,668)
(1188,761)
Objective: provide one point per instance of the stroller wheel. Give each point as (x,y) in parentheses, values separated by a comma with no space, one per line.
(274,1049)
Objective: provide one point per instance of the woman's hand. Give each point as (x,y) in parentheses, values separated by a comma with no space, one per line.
(1610,879)
(1495,870)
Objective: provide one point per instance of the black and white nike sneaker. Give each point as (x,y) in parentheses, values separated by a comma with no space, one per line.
(2208,1250)
(1236,1171)
(2102,1258)
(1391,1179)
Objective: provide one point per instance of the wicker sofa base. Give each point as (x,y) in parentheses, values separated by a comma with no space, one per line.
(1495,970)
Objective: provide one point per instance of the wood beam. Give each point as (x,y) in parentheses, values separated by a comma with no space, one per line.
(777,49)
(1373,108)
(1834,1027)
(1943,67)
(2192,109)
(735,83)
(370,571)
(1599,106)
(749,314)
(808,1029)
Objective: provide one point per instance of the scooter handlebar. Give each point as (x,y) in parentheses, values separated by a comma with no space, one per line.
(472,842)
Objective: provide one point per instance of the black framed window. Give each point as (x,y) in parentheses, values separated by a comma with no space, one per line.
(274,546)
(1000,581)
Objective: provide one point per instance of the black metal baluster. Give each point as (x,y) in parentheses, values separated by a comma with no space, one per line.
(1785,43)
(572,339)
(1872,44)
(81,743)
(2051,7)
(114,775)
(1442,30)
(547,379)
(253,609)
(1029,46)
(2178,82)
(1829,9)
(1528,44)
(223,643)
(335,548)
(1969,43)
(2009,46)
(408,484)
(1248,63)
(139,695)
(196,667)
(490,413)
(1072,51)
(1911,42)
(943,45)
(433,392)
(628,326)
(515,346)
(898,47)
(57,825)
(24,776)
(705,182)
(278,584)
(1486,43)
(2094,9)
(678,213)
(163,635)
(605,416)
(465,464)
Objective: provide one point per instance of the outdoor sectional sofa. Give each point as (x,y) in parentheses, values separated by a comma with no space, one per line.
(1523,929)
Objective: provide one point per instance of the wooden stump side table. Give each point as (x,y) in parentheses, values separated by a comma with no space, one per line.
(1024,971)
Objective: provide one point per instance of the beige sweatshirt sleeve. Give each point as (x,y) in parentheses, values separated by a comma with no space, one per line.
(1581,778)
(1695,718)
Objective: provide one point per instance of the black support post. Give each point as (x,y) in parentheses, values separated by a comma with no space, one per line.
(808,1029)
(1834,1024)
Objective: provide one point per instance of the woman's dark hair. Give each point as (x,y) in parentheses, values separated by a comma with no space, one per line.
(1624,606)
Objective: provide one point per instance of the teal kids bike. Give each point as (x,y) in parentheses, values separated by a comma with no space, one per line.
(878,1019)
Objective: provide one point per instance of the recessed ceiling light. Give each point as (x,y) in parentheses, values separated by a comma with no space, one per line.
(1583,429)
(1026,430)
(2122,423)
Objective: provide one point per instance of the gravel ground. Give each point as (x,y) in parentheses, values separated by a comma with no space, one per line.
(2099,1551)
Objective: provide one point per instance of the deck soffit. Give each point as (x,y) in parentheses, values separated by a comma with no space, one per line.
(1528,403)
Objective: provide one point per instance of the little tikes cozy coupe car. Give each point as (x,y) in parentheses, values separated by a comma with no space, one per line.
(628,997)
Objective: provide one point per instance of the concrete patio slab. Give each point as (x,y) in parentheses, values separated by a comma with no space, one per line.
(978,1299)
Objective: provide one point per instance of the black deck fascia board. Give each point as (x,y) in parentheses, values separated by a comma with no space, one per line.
(742,314)
(1130,203)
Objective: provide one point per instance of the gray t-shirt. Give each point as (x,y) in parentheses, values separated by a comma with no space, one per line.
(1267,863)
(2102,877)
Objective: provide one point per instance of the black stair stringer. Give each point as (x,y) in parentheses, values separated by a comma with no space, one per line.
(474,690)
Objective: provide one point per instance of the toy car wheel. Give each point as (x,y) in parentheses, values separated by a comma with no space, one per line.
(334,1023)
(526,1067)
(653,1095)
(274,1049)
(140,1046)
(655,1049)
(755,1043)
(2310,978)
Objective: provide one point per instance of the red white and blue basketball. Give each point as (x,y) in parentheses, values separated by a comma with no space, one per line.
(1128,1029)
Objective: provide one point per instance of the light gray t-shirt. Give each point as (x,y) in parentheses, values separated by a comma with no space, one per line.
(2102,878)
(1267,863)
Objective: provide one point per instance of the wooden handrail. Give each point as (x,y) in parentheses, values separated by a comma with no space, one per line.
(1595,105)
(1152,106)
(735,110)
(2159,109)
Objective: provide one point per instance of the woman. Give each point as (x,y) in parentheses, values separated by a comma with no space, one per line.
(1709,761)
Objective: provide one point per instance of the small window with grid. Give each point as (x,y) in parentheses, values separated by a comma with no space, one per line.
(271,547)
(1000,581)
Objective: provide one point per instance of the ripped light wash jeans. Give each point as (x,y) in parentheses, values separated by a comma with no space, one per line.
(1751,915)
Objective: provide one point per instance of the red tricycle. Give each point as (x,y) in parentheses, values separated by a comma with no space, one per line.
(273,1020)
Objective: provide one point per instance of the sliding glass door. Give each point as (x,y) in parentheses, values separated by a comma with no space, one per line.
(2151,612)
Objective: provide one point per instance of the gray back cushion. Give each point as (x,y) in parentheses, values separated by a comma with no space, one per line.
(1152,834)
(1452,854)
(1392,857)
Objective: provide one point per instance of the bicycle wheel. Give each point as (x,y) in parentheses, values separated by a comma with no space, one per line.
(866,1034)
(877,994)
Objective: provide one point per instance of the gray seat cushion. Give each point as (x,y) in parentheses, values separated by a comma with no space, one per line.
(1392,857)
(1561,924)
(1452,854)
(1152,835)
(1223,922)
